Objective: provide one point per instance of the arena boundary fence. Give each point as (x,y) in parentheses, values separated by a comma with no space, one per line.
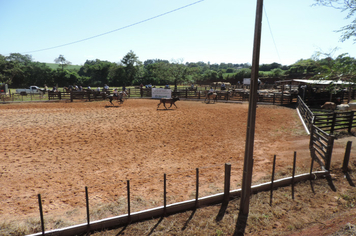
(165,210)
(198,93)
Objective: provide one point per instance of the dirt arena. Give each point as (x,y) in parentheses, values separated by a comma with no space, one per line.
(56,149)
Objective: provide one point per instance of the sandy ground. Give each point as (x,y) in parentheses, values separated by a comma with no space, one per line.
(56,149)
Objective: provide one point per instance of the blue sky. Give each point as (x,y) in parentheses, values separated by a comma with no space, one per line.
(212,31)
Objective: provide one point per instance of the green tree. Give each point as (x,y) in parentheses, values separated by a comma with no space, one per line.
(96,72)
(38,73)
(343,67)
(132,67)
(116,73)
(15,69)
(62,62)
(302,67)
(348,31)
(276,73)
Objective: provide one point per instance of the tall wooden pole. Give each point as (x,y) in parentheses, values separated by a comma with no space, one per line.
(251,120)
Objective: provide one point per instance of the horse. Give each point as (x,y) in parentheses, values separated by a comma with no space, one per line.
(213,96)
(121,96)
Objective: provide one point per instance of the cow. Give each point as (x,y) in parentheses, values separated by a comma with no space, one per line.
(329,106)
(168,100)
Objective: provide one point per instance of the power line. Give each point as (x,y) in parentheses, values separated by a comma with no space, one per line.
(112,31)
(270,30)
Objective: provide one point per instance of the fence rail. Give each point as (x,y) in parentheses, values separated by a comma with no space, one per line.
(169,209)
(335,121)
(305,113)
(321,146)
(321,143)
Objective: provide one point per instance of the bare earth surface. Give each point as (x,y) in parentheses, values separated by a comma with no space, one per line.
(56,149)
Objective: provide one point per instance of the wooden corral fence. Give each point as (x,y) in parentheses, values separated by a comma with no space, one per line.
(74,95)
(321,143)
(169,209)
(321,146)
(237,95)
(335,121)
(328,122)
(305,114)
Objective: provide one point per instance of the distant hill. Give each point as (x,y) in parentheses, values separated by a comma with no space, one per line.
(54,66)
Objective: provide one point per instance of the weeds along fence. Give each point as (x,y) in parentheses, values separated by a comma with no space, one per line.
(166,209)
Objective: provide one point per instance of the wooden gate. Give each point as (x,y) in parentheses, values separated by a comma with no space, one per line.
(321,146)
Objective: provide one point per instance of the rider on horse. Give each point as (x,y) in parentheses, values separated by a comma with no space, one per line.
(115,92)
(211,91)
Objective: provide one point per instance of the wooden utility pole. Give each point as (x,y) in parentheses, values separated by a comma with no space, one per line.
(251,120)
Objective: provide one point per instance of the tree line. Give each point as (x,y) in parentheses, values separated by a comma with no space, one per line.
(19,70)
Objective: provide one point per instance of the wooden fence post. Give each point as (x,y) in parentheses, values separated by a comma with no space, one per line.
(329,152)
(282,97)
(311,165)
(128,201)
(273,171)
(165,195)
(196,187)
(274,98)
(227,183)
(333,123)
(294,162)
(347,157)
(352,114)
(87,205)
(41,214)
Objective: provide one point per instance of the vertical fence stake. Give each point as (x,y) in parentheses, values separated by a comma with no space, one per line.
(273,171)
(165,194)
(347,157)
(196,187)
(352,113)
(294,161)
(128,201)
(227,183)
(41,213)
(311,165)
(87,204)
(333,123)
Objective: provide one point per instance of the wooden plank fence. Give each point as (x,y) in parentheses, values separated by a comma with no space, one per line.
(305,113)
(321,143)
(187,93)
(321,146)
(335,121)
